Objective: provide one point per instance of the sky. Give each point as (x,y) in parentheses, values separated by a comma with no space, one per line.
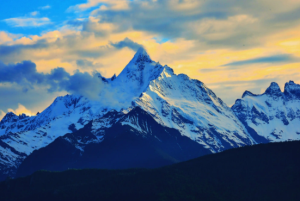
(46,47)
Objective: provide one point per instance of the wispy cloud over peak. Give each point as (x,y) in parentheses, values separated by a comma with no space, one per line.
(27,21)
(126,43)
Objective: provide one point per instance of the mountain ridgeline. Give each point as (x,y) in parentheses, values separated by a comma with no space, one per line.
(155,118)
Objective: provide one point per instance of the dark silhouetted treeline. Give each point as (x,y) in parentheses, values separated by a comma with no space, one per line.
(261,172)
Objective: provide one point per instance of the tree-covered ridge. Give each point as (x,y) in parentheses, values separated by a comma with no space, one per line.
(259,172)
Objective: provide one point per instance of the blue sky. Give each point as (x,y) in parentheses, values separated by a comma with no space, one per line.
(55,10)
(231,46)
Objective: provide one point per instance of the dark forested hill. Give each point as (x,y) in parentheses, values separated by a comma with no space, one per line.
(259,172)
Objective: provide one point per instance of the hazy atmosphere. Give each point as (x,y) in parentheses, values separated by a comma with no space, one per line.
(48,47)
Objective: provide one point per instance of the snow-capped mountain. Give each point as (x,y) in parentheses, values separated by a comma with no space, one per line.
(176,101)
(272,116)
(135,141)
(172,101)
(187,105)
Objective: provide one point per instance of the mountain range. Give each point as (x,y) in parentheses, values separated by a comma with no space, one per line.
(147,116)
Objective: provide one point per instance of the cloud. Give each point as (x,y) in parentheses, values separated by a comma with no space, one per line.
(21,110)
(77,22)
(6,50)
(127,43)
(27,21)
(45,7)
(88,85)
(281,58)
(84,84)
(26,75)
(20,72)
(211,23)
(74,47)
(85,6)
(102,4)
(86,64)
(35,100)
(281,19)
(224,32)
(85,48)
(2,114)
(92,86)
(35,13)
(264,62)
(7,37)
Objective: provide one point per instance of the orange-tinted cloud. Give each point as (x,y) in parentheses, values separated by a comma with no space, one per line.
(21,110)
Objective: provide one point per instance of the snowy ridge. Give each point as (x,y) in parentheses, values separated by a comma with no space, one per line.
(21,135)
(138,122)
(274,115)
(135,77)
(176,101)
(38,131)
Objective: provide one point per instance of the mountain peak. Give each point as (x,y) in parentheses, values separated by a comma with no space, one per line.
(291,89)
(141,55)
(9,116)
(141,68)
(290,84)
(22,116)
(273,89)
(137,62)
(248,93)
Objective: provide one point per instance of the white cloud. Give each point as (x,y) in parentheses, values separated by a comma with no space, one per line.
(112,4)
(45,7)
(27,21)
(82,7)
(35,13)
